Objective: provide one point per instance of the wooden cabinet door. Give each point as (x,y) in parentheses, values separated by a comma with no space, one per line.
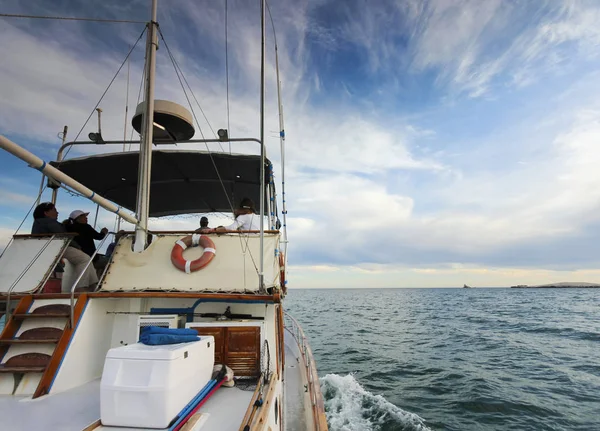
(238,347)
(243,350)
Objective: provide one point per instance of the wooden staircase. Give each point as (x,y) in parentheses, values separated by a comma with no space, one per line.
(34,342)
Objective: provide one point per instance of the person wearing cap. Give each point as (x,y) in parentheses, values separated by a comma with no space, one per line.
(203,225)
(45,221)
(86,234)
(245,218)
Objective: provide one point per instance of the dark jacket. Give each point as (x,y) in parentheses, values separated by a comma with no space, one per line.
(86,236)
(49,225)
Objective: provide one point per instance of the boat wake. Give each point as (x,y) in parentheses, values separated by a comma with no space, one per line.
(350,407)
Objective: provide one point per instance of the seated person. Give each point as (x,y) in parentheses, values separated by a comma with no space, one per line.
(111,247)
(245,218)
(203,225)
(45,221)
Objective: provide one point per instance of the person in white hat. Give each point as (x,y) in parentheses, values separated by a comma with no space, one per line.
(86,234)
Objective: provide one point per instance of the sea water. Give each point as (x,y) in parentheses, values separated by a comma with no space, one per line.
(455,359)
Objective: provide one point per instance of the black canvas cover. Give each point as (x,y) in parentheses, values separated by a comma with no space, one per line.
(182,182)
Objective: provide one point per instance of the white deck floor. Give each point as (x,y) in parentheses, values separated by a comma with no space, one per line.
(68,411)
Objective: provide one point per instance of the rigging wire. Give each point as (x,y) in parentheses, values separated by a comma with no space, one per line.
(70,18)
(104,94)
(177,67)
(136,104)
(35,203)
(196,118)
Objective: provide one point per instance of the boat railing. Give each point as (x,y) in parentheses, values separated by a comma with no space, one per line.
(22,274)
(314,389)
(81,275)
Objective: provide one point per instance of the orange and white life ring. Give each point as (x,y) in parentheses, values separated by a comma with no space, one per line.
(194,240)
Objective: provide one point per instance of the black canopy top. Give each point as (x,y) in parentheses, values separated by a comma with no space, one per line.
(182,182)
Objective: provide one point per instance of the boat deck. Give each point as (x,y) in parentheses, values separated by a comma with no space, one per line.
(72,410)
(77,408)
(296,416)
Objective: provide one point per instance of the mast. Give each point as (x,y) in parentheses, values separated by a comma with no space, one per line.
(262,145)
(282,148)
(145,164)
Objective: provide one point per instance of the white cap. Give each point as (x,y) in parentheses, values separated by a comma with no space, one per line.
(77,213)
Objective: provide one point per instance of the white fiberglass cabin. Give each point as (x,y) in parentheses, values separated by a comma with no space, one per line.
(166,341)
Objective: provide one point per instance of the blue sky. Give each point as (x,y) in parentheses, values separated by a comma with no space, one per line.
(428,143)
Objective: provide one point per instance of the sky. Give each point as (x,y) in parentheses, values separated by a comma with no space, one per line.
(428,143)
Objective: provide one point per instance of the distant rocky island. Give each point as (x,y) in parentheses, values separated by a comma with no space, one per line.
(565,285)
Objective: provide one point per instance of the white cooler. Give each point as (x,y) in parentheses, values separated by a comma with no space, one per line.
(147,386)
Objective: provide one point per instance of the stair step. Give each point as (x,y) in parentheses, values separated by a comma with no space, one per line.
(31,315)
(27,360)
(42,333)
(29,341)
(53,309)
(4,369)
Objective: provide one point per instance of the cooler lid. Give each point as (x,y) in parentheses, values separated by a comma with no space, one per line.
(167,352)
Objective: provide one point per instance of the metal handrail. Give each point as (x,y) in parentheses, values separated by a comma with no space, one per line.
(306,353)
(36,257)
(79,277)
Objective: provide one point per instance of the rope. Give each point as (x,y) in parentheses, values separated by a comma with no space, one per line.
(103,94)
(68,18)
(35,203)
(137,103)
(176,65)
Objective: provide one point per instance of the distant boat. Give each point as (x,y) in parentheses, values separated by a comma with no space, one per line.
(466,287)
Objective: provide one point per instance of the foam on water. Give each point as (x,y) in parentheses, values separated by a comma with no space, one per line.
(350,407)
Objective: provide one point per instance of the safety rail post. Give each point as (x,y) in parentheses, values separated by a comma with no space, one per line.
(72,318)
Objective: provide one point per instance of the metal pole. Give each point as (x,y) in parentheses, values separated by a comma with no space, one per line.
(126,105)
(261,273)
(59,159)
(145,165)
(53,173)
(99,121)
(96,217)
(282,147)
(37,202)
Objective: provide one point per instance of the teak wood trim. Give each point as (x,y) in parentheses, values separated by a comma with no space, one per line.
(251,405)
(197,295)
(42,295)
(191,423)
(275,298)
(260,421)
(59,352)
(318,407)
(281,338)
(93,426)
(46,235)
(13,325)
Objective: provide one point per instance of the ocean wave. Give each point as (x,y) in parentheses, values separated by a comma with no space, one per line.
(350,407)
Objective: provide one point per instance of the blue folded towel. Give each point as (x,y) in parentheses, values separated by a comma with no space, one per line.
(154,336)
(160,339)
(169,331)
